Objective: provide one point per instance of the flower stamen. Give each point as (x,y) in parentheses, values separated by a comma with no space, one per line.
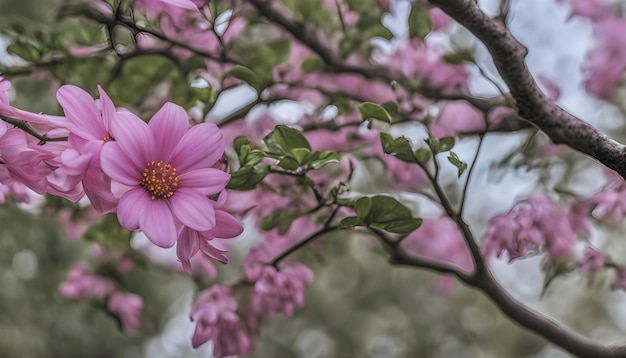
(159,179)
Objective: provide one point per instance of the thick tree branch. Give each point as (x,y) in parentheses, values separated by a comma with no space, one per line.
(508,56)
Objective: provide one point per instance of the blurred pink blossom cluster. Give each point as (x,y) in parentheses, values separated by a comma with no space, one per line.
(535,224)
(606,63)
(84,285)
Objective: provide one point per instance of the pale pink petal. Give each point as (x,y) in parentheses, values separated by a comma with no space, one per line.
(157,222)
(135,138)
(226,226)
(108,109)
(200,147)
(206,180)
(116,164)
(81,110)
(187,245)
(169,125)
(193,209)
(132,207)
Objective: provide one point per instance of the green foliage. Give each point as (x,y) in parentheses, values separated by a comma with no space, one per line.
(281,220)
(268,55)
(401,149)
(372,110)
(419,21)
(460,165)
(311,63)
(246,75)
(552,269)
(109,233)
(382,212)
(440,145)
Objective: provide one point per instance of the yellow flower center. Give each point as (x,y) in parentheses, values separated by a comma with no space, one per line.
(160,180)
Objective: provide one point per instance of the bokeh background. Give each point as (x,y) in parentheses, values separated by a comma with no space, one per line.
(359,305)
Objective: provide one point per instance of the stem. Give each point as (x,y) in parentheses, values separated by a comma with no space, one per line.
(25,126)
(299,245)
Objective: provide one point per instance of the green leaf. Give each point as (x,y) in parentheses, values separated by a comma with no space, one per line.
(440,145)
(399,148)
(288,163)
(26,51)
(445,144)
(350,222)
(454,159)
(458,57)
(386,213)
(373,110)
(283,139)
(246,75)
(270,54)
(281,220)
(422,155)
(553,269)
(317,159)
(419,21)
(109,233)
(311,63)
(247,178)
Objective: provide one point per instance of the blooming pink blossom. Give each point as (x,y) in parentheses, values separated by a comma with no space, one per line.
(166,170)
(591,261)
(610,205)
(81,284)
(592,9)
(214,313)
(533,224)
(127,307)
(456,118)
(211,243)
(90,128)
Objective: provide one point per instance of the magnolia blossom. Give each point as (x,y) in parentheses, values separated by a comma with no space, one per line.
(164,171)
(81,284)
(214,313)
(533,224)
(90,128)
(591,261)
(127,307)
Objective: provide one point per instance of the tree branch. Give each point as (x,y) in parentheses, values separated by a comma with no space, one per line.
(532,105)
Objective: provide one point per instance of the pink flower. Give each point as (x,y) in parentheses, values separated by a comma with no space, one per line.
(211,243)
(166,170)
(280,291)
(610,205)
(592,9)
(127,307)
(90,128)
(533,224)
(81,284)
(440,240)
(217,321)
(592,261)
(620,280)
(606,63)
(456,118)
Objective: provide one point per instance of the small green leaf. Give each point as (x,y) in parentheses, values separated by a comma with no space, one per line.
(281,220)
(267,56)
(317,159)
(350,222)
(246,75)
(458,57)
(283,139)
(419,21)
(311,64)
(247,178)
(288,163)
(373,110)
(25,50)
(454,159)
(445,144)
(422,155)
(399,148)
(553,269)
(386,213)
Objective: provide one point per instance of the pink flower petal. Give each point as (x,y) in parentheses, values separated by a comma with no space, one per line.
(108,109)
(187,245)
(169,125)
(81,110)
(208,181)
(200,147)
(132,207)
(135,138)
(157,222)
(226,226)
(116,164)
(193,209)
